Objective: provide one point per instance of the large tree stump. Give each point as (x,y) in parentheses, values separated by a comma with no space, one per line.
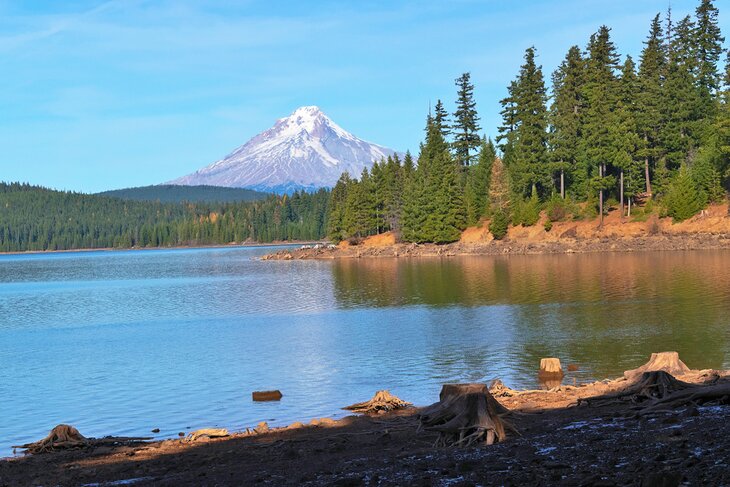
(665,361)
(62,437)
(382,401)
(649,388)
(466,414)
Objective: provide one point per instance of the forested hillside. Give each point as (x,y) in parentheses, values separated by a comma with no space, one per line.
(169,193)
(646,137)
(35,218)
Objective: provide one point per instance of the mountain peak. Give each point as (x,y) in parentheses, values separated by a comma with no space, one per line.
(305,150)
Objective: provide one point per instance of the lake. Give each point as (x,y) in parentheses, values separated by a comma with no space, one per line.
(123,342)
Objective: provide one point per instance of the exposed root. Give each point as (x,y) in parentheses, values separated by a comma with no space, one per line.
(466,415)
(718,394)
(62,437)
(382,401)
(651,387)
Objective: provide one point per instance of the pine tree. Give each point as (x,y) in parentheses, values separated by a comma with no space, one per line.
(466,122)
(565,122)
(500,193)
(707,40)
(683,200)
(476,189)
(601,99)
(508,129)
(441,119)
(681,101)
(529,158)
(650,98)
(338,197)
(624,131)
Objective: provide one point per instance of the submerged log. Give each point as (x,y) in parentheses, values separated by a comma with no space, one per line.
(382,401)
(466,414)
(266,395)
(665,361)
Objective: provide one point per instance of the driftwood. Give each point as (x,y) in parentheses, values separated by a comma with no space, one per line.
(260,396)
(207,433)
(666,361)
(65,437)
(466,414)
(382,401)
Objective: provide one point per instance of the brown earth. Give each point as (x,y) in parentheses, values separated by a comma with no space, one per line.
(707,230)
(559,443)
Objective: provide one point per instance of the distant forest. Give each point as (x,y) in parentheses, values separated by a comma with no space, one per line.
(608,134)
(170,193)
(647,137)
(35,218)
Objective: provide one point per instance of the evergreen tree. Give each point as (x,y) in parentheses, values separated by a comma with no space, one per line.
(600,93)
(500,193)
(565,123)
(650,98)
(476,190)
(466,122)
(624,131)
(441,119)
(707,40)
(508,129)
(529,159)
(683,200)
(338,197)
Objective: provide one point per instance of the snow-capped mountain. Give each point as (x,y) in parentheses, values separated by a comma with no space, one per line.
(305,150)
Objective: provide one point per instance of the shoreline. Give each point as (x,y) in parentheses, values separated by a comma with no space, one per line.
(176,247)
(562,437)
(662,243)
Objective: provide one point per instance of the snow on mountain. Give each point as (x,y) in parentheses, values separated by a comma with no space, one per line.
(305,150)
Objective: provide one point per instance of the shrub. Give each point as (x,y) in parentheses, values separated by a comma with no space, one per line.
(557,209)
(527,212)
(548,226)
(683,200)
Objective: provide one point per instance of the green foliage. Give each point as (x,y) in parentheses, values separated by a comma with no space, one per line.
(557,209)
(476,189)
(706,177)
(682,200)
(527,212)
(466,122)
(548,225)
(35,218)
(169,193)
(499,224)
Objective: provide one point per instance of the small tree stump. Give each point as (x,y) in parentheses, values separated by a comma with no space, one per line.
(266,395)
(466,414)
(382,401)
(550,369)
(665,361)
(62,437)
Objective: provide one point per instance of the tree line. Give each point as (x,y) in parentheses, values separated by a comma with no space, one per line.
(608,134)
(36,218)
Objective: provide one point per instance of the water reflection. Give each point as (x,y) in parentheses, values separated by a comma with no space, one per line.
(606,312)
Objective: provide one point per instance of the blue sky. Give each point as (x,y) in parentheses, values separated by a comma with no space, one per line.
(102,95)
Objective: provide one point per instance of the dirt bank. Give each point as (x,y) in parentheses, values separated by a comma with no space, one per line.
(708,230)
(607,443)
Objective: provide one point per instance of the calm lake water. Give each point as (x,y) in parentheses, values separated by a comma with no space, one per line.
(124,342)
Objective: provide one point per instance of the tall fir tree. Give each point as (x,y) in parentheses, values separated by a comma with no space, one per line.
(649,99)
(476,202)
(624,130)
(707,40)
(338,198)
(600,93)
(441,119)
(565,122)
(466,122)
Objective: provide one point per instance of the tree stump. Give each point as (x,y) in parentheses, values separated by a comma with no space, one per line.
(382,401)
(550,369)
(466,414)
(665,361)
(62,437)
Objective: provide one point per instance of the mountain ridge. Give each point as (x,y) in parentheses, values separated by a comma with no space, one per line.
(305,150)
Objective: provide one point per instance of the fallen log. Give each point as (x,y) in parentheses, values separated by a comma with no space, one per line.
(382,401)
(207,433)
(466,414)
(668,362)
(261,396)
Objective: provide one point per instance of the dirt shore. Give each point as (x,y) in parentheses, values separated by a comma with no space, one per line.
(559,443)
(514,247)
